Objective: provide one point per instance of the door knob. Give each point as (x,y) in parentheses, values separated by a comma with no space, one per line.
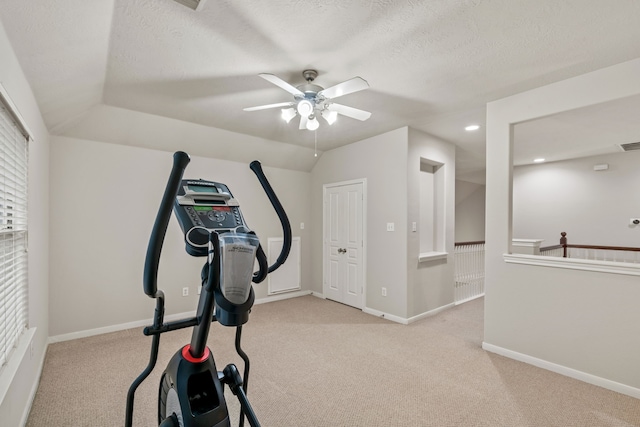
(342,251)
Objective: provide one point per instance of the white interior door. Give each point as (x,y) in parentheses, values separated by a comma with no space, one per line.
(344,243)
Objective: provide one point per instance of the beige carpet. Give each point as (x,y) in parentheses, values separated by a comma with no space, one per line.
(319,363)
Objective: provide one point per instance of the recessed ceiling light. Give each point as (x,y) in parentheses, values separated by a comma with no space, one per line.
(538,160)
(471,128)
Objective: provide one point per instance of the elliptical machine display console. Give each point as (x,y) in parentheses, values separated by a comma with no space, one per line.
(204,206)
(191,392)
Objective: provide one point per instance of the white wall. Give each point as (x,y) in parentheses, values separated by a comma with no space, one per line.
(429,283)
(104,198)
(106,123)
(579,323)
(20,378)
(382,160)
(470,211)
(391,164)
(593,207)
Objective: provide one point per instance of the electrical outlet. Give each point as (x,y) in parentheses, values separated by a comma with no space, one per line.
(302,226)
(185,292)
(199,289)
(414,227)
(384,292)
(634,221)
(391,226)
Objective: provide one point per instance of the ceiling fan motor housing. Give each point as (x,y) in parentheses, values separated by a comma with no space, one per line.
(310,90)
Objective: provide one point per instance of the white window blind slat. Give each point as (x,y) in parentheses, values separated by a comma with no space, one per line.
(13,233)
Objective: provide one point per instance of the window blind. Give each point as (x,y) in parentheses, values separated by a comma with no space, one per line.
(13,231)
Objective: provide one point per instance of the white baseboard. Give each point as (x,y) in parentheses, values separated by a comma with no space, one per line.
(115,328)
(384,315)
(403,320)
(430,313)
(282,296)
(469,299)
(318,295)
(167,318)
(563,370)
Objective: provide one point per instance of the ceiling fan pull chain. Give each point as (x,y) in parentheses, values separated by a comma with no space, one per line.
(315,139)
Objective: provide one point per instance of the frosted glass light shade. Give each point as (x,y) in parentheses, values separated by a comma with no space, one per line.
(313,124)
(288,114)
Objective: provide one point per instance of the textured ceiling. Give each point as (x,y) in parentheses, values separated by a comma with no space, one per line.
(431,64)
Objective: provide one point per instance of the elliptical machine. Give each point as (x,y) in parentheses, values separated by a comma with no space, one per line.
(191,392)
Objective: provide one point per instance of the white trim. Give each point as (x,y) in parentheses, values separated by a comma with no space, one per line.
(469,299)
(432,256)
(430,313)
(410,320)
(282,296)
(146,322)
(563,370)
(526,246)
(34,388)
(22,354)
(115,328)
(527,243)
(13,110)
(343,183)
(8,372)
(625,268)
(387,316)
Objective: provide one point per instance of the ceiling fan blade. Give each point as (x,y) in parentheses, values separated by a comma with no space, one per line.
(265,107)
(303,122)
(353,85)
(354,113)
(281,83)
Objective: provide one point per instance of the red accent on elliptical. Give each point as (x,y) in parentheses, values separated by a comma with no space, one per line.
(186,354)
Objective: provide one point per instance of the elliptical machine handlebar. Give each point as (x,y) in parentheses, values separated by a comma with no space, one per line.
(152,259)
(256,167)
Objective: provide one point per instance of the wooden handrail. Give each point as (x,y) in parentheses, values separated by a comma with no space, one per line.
(479,242)
(565,245)
(550,248)
(606,248)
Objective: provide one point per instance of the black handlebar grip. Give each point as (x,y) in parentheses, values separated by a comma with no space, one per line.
(150,280)
(256,167)
(263,264)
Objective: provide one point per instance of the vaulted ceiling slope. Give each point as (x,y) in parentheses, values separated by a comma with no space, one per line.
(431,64)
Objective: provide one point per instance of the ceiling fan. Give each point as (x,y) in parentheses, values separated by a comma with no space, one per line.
(311,100)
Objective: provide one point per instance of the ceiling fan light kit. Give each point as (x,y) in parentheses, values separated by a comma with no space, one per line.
(288,114)
(304,107)
(330,116)
(313,124)
(311,100)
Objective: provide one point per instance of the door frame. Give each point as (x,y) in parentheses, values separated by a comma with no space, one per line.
(325,259)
